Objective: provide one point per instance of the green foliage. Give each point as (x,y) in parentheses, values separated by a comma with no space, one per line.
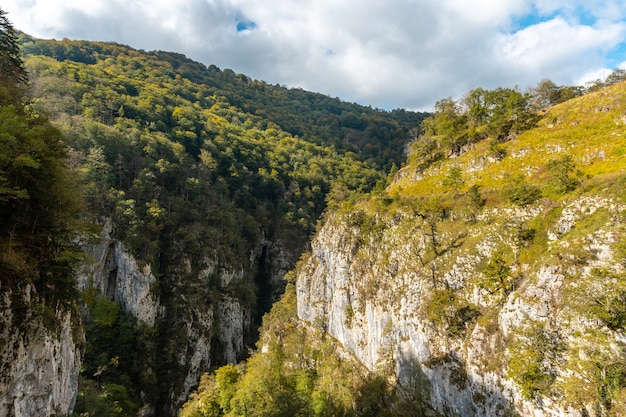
(448,126)
(598,375)
(615,77)
(204,402)
(446,309)
(497,272)
(441,306)
(547,94)
(475,199)
(112,367)
(38,202)
(425,152)
(454,179)
(226,379)
(611,310)
(349,313)
(500,114)
(12,72)
(496,149)
(105,312)
(172,150)
(197,165)
(564,175)
(519,192)
(603,295)
(371,134)
(533,354)
(297,372)
(104,401)
(620,252)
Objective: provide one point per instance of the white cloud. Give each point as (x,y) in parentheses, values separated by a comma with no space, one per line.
(399,53)
(555,42)
(592,76)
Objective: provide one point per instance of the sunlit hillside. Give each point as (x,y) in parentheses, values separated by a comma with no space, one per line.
(487,279)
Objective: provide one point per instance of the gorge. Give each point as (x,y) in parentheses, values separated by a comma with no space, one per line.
(482,274)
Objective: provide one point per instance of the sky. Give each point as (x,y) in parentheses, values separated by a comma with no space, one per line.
(388,54)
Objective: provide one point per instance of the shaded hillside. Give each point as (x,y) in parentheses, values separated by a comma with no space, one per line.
(489,279)
(206,186)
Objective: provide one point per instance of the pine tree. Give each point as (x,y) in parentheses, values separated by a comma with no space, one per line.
(13,76)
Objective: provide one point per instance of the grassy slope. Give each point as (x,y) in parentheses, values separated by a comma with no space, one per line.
(591,129)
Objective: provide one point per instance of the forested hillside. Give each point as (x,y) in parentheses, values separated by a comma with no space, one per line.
(207,185)
(488,279)
(139,119)
(374,135)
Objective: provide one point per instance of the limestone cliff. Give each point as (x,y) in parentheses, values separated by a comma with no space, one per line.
(39,356)
(113,272)
(377,295)
(506,291)
(197,315)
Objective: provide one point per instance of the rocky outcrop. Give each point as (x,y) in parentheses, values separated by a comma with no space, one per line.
(201,312)
(114,272)
(377,283)
(39,355)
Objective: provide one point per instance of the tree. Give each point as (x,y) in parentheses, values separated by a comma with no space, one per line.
(497,275)
(37,199)
(545,94)
(615,77)
(565,176)
(449,124)
(454,179)
(226,379)
(510,113)
(533,354)
(519,192)
(476,106)
(12,73)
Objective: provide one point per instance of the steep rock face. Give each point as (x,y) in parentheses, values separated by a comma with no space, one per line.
(377,283)
(115,273)
(40,358)
(201,312)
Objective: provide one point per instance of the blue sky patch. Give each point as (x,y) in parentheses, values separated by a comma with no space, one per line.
(530,20)
(617,56)
(578,16)
(243,25)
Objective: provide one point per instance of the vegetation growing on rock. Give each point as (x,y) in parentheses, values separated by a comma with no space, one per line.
(515,256)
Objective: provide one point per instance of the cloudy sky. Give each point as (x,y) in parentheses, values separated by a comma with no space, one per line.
(387,54)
